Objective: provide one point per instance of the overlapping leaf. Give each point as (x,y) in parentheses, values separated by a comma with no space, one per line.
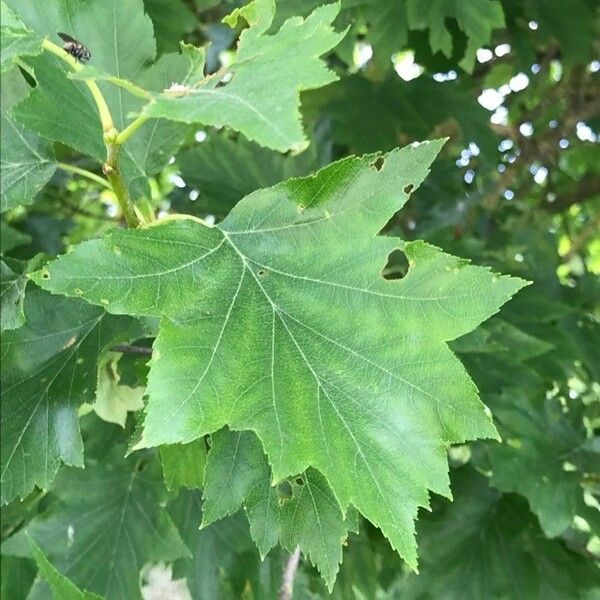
(61,586)
(49,367)
(26,160)
(63,110)
(487,545)
(278,321)
(11,238)
(238,474)
(15,39)
(371,116)
(545,458)
(114,507)
(252,95)
(223,171)
(224,563)
(385,25)
(12,293)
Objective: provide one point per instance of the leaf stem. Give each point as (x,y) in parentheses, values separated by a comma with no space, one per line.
(84,173)
(111,135)
(103,110)
(124,135)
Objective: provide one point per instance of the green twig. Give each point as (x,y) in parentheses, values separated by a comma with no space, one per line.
(84,173)
(103,110)
(111,134)
(124,135)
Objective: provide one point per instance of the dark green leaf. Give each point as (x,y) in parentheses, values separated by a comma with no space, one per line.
(112,509)
(49,367)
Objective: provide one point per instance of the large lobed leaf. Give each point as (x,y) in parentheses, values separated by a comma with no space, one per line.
(279,321)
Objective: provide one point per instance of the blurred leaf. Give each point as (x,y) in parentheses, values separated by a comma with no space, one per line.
(223,171)
(62,587)
(487,545)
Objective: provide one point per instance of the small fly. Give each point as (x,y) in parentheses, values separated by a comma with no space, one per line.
(75,48)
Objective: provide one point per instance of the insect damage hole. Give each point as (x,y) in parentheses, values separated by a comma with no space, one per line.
(379,162)
(397,265)
(409,188)
(261,273)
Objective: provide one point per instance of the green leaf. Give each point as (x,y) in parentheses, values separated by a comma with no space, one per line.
(113,399)
(172,20)
(49,367)
(476,18)
(238,474)
(18,575)
(11,238)
(112,508)
(183,465)
(487,545)
(225,170)
(127,54)
(15,39)
(544,457)
(225,563)
(261,100)
(314,351)
(12,293)
(26,161)
(62,587)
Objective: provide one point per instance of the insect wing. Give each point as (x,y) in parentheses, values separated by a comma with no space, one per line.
(67,38)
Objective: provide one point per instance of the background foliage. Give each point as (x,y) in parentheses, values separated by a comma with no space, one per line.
(94,494)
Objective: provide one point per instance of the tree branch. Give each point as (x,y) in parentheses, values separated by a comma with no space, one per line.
(289,574)
(127,349)
(588,187)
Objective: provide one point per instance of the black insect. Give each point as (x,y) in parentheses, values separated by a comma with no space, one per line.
(75,48)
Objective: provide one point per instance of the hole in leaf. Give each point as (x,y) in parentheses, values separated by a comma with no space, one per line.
(45,275)
(284,491)
(261,273)
(299,481)
(409,188)
(397,265)
(378,164)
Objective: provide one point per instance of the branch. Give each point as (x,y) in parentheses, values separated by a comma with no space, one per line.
(127,349)
(289,574)
(111,137)
(103,110)
(588,187)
